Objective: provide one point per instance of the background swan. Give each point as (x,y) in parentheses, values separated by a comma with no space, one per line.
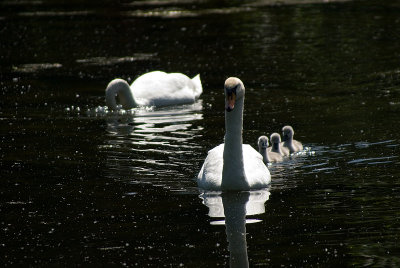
(268,156)
(154,89)
(289,142)
(233,165)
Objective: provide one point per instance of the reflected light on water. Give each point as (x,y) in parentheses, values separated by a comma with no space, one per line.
(152,145)
(254,205)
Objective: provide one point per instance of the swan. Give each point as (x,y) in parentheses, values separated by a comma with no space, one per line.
(233,165)
(154,89)
(268,156)
(276,146)
(289,142)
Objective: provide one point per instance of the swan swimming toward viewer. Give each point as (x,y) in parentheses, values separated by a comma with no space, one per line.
(276,145)
(268,156)
(289,142)
(233,165)
(154,89)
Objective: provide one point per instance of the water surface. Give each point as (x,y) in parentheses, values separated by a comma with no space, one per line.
(82,186)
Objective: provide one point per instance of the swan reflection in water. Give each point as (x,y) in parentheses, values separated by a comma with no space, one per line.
(154,120)
(149,141)
(234,207)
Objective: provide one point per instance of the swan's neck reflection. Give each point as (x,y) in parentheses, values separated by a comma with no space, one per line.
(235,224)
(234,207)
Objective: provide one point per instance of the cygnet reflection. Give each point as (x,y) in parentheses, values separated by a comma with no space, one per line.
(234,207)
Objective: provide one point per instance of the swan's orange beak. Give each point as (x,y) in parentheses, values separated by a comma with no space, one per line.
(230,102)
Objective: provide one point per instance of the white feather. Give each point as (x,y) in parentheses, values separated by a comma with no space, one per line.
(154,89)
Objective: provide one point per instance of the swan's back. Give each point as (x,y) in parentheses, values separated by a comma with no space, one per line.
(210,175)
(159,88)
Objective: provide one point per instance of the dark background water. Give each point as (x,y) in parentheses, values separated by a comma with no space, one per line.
(83,187)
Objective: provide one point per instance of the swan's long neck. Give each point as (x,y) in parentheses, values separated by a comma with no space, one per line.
(263,152)
(276,148)
(289,144)
(233,175)
(120,88)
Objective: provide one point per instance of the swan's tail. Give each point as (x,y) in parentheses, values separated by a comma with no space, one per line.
(197,84)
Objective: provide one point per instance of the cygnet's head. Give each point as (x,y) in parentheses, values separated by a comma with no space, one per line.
(288,133)
(275,138)
(234,90)
(263,142)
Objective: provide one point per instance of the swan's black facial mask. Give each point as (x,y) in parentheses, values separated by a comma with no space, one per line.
(230,99)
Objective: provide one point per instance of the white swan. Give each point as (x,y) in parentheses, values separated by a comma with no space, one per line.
(233,165)
(154,89)
(268,156)
(289,142)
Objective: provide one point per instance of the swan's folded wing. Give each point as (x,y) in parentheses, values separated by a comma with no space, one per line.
(210,175)
(160,89)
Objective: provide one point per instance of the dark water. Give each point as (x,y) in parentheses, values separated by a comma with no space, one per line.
(80,186)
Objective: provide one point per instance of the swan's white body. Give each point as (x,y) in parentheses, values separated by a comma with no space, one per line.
(233,165)
(154,89)
(257,175)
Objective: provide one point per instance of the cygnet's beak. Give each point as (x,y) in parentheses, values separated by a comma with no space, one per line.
(230,101)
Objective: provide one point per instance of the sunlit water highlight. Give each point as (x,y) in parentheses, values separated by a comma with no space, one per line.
(151,144)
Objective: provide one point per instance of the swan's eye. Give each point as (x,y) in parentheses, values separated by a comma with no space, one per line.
(231,91)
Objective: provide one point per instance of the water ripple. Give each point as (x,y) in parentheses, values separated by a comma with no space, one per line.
(364,144)
(35,67)
(184,13)
(154,146)
(101,61)
(373,160)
